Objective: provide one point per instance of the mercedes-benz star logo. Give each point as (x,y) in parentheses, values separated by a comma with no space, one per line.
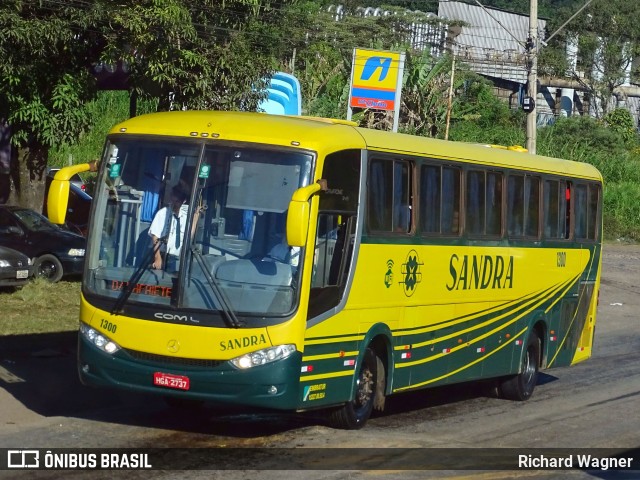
(173,346)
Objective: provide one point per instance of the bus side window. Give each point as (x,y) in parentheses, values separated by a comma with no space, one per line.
(430,198)
(550,209)
(494,204)
(565,209)
(401,198)
(451,201)
(484,203)
(439,200)
(389,199)
(515,206)
(380,196)
(592,220)
(475,203)
(532,206)
(580,211)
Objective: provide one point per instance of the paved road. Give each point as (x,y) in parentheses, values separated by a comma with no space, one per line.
(592,405)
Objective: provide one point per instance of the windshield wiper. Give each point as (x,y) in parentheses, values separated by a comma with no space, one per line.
(231,317)
(135,278)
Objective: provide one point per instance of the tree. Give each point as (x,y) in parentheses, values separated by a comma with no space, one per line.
(200,54)
(187,53)
(608,38)
(425,93)
(44,82)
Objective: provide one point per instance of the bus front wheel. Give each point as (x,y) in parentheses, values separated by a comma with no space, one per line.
(355,413)
(520,387)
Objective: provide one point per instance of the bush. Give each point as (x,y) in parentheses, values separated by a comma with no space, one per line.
(622,211)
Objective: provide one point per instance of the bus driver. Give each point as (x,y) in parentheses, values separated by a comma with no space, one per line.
(168,227)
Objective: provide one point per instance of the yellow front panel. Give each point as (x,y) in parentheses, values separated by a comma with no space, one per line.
(189,341)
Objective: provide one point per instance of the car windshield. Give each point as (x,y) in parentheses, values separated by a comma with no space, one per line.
(216,215)
(34,221)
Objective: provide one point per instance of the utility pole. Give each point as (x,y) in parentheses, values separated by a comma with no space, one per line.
(532,76)
(450,100)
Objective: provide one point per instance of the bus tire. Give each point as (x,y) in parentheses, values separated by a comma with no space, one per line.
(354,414)
(520,387)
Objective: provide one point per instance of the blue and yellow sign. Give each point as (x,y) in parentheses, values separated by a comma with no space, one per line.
(376,76)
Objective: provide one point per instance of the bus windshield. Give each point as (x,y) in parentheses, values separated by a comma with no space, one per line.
(195,226)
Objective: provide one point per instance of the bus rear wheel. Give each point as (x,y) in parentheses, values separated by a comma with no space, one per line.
(520,387)
(354,414)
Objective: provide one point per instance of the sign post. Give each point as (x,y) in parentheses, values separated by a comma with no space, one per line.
(376,81)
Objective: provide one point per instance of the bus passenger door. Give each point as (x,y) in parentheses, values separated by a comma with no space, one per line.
(333,251)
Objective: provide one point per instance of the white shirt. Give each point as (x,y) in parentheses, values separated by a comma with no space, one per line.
(285,254)
(157,228)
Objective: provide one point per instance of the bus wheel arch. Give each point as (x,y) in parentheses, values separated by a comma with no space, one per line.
(381,345)
(370,386)
(541,330)
(521,385)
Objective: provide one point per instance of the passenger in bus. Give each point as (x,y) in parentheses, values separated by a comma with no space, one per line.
(168,228)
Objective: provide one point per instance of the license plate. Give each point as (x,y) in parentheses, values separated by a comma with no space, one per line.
(171,381)
(22,274)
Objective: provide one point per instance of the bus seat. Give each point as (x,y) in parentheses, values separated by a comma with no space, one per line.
(255,272)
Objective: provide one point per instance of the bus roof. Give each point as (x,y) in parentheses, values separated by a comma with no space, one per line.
(327,135)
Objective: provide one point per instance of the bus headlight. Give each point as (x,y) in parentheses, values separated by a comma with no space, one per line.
(98,339)
(261,357)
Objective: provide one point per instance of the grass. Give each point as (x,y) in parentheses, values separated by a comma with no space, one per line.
(40,307)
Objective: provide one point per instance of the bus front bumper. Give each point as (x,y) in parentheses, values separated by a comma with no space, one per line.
(274,385)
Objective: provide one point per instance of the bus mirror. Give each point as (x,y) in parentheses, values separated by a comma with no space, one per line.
(298,214)
(58,197)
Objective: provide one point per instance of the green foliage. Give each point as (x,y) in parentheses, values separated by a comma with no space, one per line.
(43,77)
(481,117)
(108,109)
(425,93)
(622,210)
(577,138)
(204,54)
(621,122)
(608,36)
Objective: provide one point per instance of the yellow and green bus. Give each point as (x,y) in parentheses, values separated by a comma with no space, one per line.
(322,265)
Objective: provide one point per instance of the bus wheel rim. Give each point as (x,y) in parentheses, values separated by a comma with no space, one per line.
(365,387)
(529,370)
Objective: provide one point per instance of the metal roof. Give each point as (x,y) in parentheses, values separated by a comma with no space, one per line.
(489,48)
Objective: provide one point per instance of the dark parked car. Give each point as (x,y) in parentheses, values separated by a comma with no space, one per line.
(54,251)
(15,268)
